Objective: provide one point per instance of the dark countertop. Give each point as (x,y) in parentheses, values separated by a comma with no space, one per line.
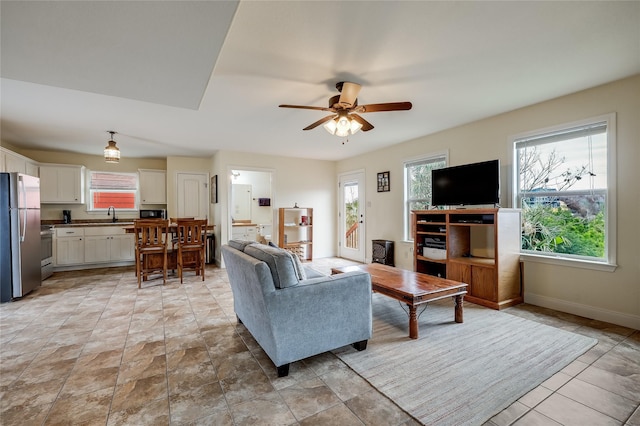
(87,222)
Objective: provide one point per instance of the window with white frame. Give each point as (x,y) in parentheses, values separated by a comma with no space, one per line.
(417,184)
(564,182)
(109,189)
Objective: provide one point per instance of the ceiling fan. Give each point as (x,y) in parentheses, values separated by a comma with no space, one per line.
(345,119)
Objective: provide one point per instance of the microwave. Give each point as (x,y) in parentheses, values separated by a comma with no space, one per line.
(153,214)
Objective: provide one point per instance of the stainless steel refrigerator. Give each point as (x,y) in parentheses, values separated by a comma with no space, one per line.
(20,270)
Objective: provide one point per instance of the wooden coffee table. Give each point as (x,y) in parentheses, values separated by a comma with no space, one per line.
(411,288)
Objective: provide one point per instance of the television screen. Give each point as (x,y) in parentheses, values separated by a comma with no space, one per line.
(469,184)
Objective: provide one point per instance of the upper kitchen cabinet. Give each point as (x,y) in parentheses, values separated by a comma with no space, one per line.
(12,162)
(153,186)
(61,184)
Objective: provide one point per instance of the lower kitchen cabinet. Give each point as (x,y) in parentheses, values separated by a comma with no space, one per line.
(244,232)
(92,245)
(69,247)
(107,245)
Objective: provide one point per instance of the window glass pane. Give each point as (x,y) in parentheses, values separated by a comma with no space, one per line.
(562,191)
(112,189)
(351,208)
(418,186)
(119,200)
(575,164)
(419,179)
(104,180)
(565,224)
(418,205)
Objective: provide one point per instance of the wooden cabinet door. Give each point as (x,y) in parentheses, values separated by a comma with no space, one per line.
(484,283)
(459,272)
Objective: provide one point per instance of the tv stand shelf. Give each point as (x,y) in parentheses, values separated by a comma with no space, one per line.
(480,247)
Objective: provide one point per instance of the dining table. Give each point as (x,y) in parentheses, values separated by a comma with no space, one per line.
(156,260)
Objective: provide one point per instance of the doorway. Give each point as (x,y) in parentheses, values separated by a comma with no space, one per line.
(251,201)
(351,217)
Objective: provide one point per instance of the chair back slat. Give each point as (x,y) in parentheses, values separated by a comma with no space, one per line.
(151,233)
(191,231)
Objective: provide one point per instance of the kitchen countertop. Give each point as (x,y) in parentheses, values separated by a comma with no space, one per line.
(87,223)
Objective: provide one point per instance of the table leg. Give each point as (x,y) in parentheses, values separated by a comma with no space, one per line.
(413,322)
(458,302)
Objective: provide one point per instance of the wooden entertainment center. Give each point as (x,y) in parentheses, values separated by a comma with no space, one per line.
(479,247)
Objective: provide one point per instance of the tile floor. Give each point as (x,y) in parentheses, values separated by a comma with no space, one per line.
(89,348)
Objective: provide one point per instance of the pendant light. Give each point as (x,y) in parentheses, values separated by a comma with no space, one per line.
(111,151)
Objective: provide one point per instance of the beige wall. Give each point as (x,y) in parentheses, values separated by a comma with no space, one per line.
(609,296)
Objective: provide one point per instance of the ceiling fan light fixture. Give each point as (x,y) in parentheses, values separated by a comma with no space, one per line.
(355,126)
(342,126)
(111,151)
(331,126)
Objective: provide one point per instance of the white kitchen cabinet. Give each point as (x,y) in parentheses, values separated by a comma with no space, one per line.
(69,246)
(153,186)
(107,244)
(244,232)
(61,184)
(32,169)
(13,162)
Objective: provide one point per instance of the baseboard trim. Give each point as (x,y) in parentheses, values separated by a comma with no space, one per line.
(619,318)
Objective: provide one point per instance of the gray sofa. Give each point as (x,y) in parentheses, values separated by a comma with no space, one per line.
(292,311)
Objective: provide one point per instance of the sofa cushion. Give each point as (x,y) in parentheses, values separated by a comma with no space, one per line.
(239,244)
(297,263)
(280,263)
(300,272)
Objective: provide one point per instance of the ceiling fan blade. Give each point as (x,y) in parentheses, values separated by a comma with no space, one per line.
(366,126)
(391,106)
(349,94)
(319,122)
(308,107)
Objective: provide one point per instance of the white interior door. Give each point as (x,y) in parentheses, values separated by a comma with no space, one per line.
(351,216)
(241,202)
(193,195)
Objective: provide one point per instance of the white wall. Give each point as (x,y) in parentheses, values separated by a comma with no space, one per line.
(309,183)
(608,296)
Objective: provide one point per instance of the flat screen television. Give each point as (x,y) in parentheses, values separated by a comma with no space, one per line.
(469,184)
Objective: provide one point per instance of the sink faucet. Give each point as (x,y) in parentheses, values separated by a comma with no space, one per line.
(114,219)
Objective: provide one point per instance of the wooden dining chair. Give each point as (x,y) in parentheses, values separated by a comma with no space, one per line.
(151,248)
(191,235)
(174,237)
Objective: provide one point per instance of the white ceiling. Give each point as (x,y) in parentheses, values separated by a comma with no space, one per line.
(190,78)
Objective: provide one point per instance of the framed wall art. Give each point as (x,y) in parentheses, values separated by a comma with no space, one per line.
(214,189)
(384,185)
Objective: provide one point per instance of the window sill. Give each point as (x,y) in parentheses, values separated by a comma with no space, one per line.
(573,263)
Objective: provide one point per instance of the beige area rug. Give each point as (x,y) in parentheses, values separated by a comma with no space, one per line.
(459,374)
